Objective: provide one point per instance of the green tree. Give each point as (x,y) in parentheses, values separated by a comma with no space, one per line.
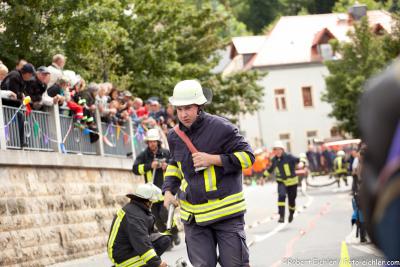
(361,58)
(259,13)
(179,41)
(92,38)
(33,30)
(145,46)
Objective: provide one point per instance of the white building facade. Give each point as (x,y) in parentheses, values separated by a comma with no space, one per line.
(292,109)
(293,54)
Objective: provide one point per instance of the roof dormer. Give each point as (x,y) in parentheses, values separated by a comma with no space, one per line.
(378,29)
(321,49)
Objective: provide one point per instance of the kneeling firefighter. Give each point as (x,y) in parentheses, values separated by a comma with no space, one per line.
(132,240)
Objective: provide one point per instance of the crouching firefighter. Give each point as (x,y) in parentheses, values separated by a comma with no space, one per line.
(283,165)
(132,241)
(207,158)
(152,163)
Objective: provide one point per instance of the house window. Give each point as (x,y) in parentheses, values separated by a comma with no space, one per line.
(307,96)
(311,136)
(334,132)
(285,138)
(280,99)
(325,50)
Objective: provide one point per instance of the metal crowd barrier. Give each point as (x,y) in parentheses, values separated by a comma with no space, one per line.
(36,130)
(116,140)
(75,140)
(54,130)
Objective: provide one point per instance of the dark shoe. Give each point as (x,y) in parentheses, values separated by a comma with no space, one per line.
(281,219)
(170,247)
(291,217)
(176,239)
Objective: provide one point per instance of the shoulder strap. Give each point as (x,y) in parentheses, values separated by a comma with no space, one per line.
(185,139)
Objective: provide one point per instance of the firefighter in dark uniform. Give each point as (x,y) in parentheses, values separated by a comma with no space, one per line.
(211,199)
(152,163)
(132,240)
(340,167)
(283,165)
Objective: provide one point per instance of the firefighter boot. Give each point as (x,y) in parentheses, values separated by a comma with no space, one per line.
(176,239)
(281,215)
(363,234)
(291,213)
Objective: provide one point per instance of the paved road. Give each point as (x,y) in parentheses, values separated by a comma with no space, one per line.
(320,235)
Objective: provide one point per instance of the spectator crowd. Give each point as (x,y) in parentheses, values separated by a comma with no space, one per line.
(50,85)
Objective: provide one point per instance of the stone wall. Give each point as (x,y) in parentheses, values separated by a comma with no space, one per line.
(51,214)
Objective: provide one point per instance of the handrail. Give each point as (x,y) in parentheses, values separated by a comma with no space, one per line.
(53,131)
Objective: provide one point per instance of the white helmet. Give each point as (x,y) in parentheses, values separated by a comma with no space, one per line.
(341,153)
(279,144)
(188,92)
(146,191)
(152,135)
(302,155)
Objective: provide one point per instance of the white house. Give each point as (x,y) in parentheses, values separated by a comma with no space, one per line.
(293,53)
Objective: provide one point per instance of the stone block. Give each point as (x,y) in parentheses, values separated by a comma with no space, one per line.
(93,176)
(47,175)
(12,206)
(28,238)
(8,257)
(3,207)
(22,206)
(6,223)
(55,189)
(108,199)
(20,190)
(5,241)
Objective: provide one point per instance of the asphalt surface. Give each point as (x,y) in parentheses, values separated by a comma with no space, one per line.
(320,235)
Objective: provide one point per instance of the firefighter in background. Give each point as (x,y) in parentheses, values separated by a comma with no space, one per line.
(132,240)
(283,165)
(207,158)
(302,168)
(152,163)
(340,167)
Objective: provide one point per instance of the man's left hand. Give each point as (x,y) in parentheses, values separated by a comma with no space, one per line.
(202,159)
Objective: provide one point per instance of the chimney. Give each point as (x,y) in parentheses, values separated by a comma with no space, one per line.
(357,11)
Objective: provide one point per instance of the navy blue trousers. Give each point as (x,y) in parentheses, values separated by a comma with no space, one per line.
(228,235)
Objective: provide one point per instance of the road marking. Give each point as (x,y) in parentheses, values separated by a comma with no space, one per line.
(344,256)
(260,238)
(311,225)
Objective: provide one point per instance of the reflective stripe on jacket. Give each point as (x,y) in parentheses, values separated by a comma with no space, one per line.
(129,241)
(285,169)
(340,166)
(215,193)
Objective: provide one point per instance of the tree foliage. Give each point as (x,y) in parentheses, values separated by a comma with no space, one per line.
(364,56)
(145,46)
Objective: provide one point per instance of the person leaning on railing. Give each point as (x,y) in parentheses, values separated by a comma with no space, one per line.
(16,81)
(5,93)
